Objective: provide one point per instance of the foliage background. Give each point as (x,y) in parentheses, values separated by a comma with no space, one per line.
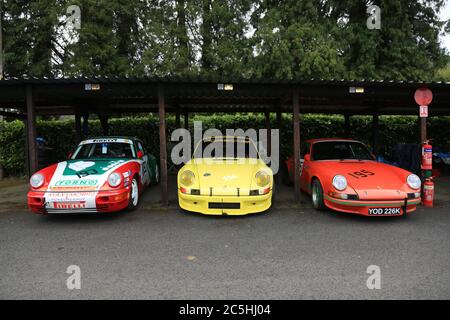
(245,38)
(60,135)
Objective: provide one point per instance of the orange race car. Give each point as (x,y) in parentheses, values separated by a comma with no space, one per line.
(343,175)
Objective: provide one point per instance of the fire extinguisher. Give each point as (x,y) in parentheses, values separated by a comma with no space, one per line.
(427,156)
(428,192)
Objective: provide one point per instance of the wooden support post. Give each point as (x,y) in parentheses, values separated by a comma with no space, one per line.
(104,123)
(162,144)
(279,177)
(347,125)
(375,134)
(186,121)
(423,129)
(296,119)
(423,138)
(85,125)
(31,132)
(177,118)
(269,138)
(78,134)
(26,158)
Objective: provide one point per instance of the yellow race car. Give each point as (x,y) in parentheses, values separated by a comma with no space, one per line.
(226,176)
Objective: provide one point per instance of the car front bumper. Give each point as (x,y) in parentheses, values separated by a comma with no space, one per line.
(77,202)
(362,206)
(225,205)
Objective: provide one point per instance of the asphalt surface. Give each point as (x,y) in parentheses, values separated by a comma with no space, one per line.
(289,252)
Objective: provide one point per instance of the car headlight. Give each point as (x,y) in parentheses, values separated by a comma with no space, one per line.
(262,178)
(339,182)
(37,180)
(114,179)
(413,181)
(187,178)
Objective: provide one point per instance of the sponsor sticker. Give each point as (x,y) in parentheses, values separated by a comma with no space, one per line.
(69,205)
(79,182)
(126,174)
(106,140)
(75,185)
(68,196)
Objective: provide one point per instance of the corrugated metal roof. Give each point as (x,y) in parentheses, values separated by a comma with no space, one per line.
(201,94)
(214,79)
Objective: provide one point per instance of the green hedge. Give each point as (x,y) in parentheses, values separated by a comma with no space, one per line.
(60,135)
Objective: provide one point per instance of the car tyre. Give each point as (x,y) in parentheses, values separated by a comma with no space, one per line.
(133,200)
(317,195)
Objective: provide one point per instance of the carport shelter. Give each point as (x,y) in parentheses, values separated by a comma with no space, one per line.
(182,96)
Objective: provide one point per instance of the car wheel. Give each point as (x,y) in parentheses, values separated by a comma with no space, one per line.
(317,195)
(134,195)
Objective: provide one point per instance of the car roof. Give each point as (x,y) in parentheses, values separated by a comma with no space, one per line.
(330,139)
(111,137)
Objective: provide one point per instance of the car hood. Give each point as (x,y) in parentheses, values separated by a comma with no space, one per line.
(83,175)
(371,179)
(224,177)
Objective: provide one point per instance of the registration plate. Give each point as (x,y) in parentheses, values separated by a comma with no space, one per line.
(384,211)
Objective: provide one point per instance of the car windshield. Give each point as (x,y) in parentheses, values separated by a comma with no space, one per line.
(340,150)
(104,150)
(229,148)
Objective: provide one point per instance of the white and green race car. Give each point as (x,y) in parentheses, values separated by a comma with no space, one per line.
(103,174)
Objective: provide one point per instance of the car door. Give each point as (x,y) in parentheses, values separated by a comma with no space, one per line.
(145,169)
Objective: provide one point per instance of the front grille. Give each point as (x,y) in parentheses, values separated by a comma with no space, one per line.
(411,196)
(224,205)
(352,197)
(195,192)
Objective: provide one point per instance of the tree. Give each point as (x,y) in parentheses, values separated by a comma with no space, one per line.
(292,40)
(406,47)
(27,33)
(226,48)
(97,51)
(169,49)
(230,38)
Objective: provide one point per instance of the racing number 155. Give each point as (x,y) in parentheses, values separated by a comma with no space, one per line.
(361,174)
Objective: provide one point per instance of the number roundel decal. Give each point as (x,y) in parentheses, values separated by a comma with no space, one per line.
(361,174)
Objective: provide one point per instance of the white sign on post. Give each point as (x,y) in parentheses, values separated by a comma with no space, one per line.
(423,111)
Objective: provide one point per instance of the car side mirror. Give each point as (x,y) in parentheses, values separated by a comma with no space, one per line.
(307,157)
(140,154)
(69,155)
